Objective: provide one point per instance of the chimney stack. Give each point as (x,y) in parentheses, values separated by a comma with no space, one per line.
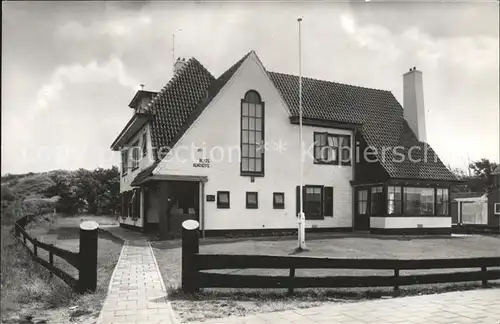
(179,64)
(413,103)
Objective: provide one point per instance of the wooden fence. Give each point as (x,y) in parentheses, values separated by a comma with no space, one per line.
(193,264)
(85,260)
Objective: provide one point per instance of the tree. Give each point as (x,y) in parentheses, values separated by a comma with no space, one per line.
(482,171)
(95,192)
(88,188)
(64,187)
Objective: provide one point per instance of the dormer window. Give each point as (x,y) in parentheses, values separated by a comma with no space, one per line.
(135,155)
(252,134)
(124,161)
(144,144)
(141,100)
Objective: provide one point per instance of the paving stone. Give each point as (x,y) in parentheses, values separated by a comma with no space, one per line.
(136,293)
(468,307)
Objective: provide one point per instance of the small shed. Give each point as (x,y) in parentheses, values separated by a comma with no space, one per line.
(470,208)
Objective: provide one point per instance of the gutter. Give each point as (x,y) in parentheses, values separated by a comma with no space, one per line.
(126,129)
(324,123)
(353,163)
(202,208)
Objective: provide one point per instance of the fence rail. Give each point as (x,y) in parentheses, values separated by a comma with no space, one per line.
(194,264)
(85,260)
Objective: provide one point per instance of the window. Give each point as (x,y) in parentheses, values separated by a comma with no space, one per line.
(362,202)
(252,200)
(134,210)
(318,201)
(393,200)
(496,208)
(442,202)
(124,201)
(332,149)
(144,144)
(252,134)
(279,200)
(135,155)
(222,199)
(124,161)
(328,201)
(377,201)
(313,201)
(345,149)
(325,148)
(418,201)
(130,204)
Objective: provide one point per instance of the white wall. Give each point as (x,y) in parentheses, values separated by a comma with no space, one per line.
(127,179)
(219,125)
(410,222)
(146,161)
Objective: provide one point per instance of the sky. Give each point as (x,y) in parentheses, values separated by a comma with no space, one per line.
(70,69)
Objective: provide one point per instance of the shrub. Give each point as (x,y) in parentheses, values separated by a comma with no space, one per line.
(7,194)
(11,211)
(38,206)
(24,281)
(32,185)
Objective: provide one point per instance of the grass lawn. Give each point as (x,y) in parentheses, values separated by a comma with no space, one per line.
(212,303)
(29,291)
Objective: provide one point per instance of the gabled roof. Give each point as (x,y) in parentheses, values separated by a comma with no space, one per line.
(183,99)
(175,103)
(496,171)
(379,113)
(139,95)
(210,94)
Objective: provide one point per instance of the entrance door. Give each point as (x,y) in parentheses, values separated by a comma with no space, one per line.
(184,204)
(361,216)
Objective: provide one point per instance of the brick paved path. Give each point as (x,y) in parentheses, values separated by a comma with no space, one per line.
(468,307)
(136,292)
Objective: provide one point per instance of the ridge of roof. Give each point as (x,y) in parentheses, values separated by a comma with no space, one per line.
(191,61)
(175,102)
(188,92)
(328,81)
(224,78)
(210,94)
(182,100)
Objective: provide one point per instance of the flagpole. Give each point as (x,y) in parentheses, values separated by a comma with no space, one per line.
(302,222)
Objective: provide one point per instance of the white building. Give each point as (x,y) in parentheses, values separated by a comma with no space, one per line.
(226,152)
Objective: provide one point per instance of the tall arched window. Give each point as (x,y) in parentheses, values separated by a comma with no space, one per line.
(252,134)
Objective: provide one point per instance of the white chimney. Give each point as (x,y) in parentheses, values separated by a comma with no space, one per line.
(179,64)
(413,103)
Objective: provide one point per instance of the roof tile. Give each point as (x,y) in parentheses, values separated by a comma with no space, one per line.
(380,114)
(188,93)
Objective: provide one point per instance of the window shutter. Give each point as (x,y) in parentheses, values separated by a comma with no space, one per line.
(124,204)
(137,203)
(297,195)
(122,198)
(127,204)
(129,211)
(328,201)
